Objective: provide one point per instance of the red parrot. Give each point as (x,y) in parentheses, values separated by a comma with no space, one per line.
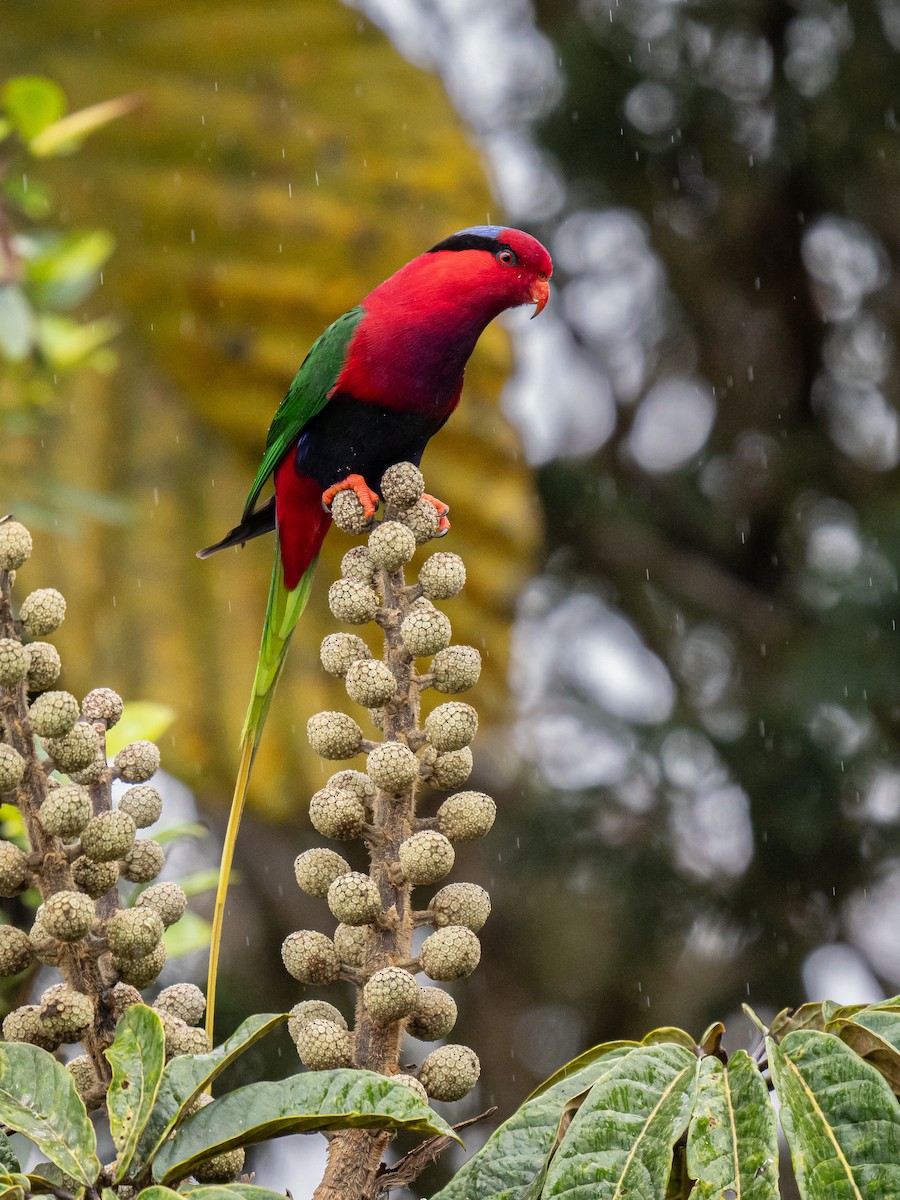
(373,389)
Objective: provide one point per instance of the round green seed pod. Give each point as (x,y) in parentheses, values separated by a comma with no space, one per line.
(412,1083)
(451,726)
(426,857)
(455,669)
(370,682)
(450,953)
(392,767)
(422,519)
(391,545)
(350,941)
(354,899)
(425,630)
(402,485)
(16,952)
(141,972)
(143,804)
(433,1016)
(13,662)
(15,545)
(66,1014)
(451,769)
(14,872)
(340,650)
(133,933)
(102,704)
(12,768)
(137,762)
(66,811)
(310,957)
(109,836)
(24,1025)
(376,716)
(168,899)
(221,1168)
(143,862)
(460,904)
(357,782)
(390,994)
(450,1072)
(53,714)
(352,602)
(86,1080)
(334,735)
(466,816)
(348,513)
(316,870)
(324,1046)
(312,1010)
(90,774)
(122,997)
(182,1000)
(357,564)
(94,878)
(339,815)
(44,666)
(42,612)
(442,575)
(68,916)
(182,1038)
(76,750)
(46,948)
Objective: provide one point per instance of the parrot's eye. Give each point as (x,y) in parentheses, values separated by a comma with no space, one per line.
(507,257)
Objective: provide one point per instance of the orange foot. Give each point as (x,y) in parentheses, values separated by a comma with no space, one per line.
(442,510)
(353,483)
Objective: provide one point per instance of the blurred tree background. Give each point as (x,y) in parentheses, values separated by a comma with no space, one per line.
(686,532)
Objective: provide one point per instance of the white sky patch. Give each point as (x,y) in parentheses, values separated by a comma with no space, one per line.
(561,402)
(840,973)
(672,424)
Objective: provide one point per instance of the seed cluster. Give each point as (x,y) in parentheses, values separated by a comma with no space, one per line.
(54,768)
(375,918)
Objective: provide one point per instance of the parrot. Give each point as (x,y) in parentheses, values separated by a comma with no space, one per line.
(371,392)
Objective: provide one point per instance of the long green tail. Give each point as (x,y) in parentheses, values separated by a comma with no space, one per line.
(283,611)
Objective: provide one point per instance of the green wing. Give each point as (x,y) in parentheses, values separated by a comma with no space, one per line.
(307,395)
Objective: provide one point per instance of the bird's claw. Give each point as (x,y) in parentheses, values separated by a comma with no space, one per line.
(356,484)
(442,510)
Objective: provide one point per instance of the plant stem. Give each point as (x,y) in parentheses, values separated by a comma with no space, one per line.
(354,1156)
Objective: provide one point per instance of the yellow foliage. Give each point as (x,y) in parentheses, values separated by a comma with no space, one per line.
(283,160)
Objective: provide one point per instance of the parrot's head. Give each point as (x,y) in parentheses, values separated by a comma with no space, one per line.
(511,267)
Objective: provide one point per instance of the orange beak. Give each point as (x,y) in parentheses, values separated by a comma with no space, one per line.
(540,294)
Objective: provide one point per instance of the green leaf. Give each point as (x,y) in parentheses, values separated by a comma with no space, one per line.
(839,1116)
(668,1035)
(204,881)
(29,196)
(187,935)
(8,1159)
(183,829)
(576,1065)
(141,720)
(874,1033)
(204,1191)
(137,1057)
(187,1075)
(65,343)
(307,1103)
(517,1152)
(38,1099)
(31,103)
(733,1137)
(65,269)
(232,1191)
(17,324)
(14,1186)
(67,134)
(620,1142)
